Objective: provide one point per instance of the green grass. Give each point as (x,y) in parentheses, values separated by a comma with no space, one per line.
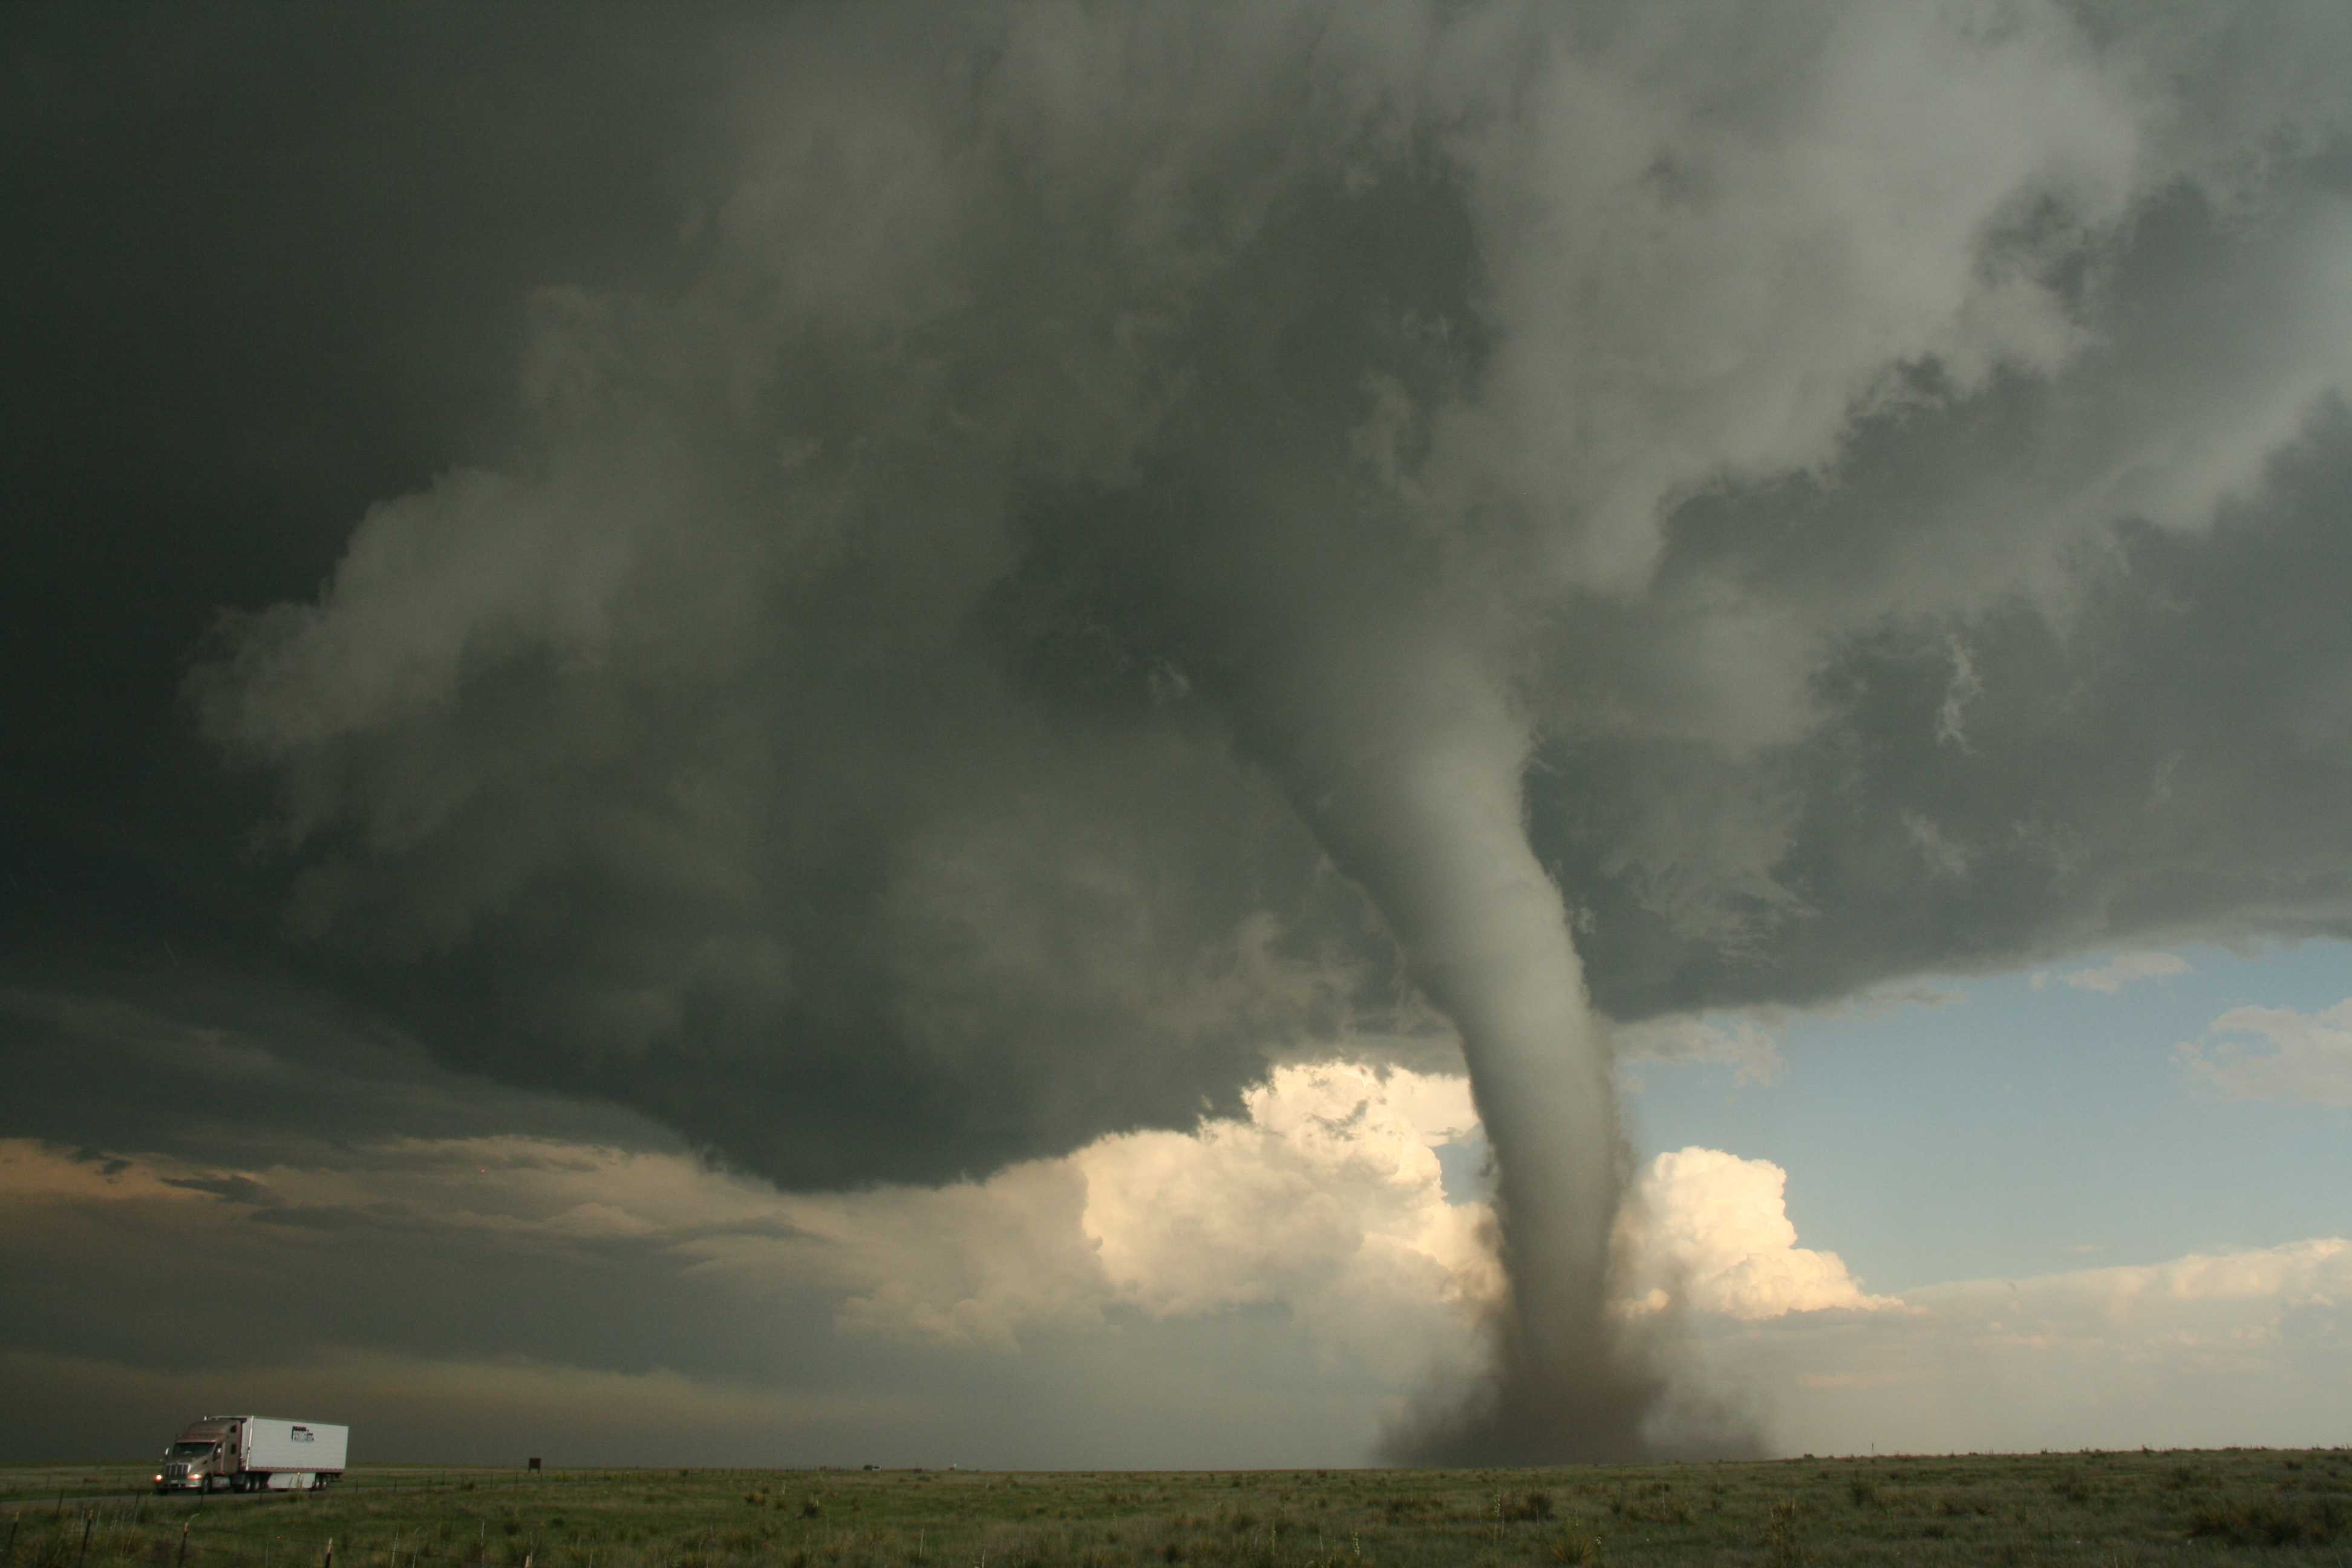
(2237,1505)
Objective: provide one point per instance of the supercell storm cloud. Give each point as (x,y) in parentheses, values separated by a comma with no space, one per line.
(1056,558)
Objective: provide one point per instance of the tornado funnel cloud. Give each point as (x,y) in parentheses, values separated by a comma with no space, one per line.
(1409,762)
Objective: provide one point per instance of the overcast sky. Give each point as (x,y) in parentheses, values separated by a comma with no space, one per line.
(806,734)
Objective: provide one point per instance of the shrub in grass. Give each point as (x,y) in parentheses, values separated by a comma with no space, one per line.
(2268,1521)
(1783,1540)
(1863,1490)
(1532,1506)
(1576,1547)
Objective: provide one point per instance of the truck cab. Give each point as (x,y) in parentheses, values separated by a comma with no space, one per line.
(209,1450)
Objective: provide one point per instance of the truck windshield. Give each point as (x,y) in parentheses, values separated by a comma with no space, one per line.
(179,1450)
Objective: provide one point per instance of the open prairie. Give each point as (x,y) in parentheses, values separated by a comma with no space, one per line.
(2237,1505)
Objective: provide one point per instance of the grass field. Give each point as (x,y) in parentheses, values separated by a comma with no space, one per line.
(2240,1505)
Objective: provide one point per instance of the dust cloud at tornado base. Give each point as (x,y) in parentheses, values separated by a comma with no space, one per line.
(1137,542)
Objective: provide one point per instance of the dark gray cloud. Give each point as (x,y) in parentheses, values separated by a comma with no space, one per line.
(226,1069)
(888,667)
(228,1189)
(2154,760)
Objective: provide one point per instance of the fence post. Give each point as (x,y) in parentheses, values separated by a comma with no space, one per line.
(89,1518)
(184,1527)
(330,1554)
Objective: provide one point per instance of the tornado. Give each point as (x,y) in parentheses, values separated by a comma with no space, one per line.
(1406,754)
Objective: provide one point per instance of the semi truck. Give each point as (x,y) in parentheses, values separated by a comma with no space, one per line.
(254,1453)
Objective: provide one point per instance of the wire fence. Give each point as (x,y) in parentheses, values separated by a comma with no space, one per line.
(102,1534)
(44,1490)
(76,1528)
(98,1517)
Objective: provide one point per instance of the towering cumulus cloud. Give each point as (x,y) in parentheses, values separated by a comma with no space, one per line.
(1139,541)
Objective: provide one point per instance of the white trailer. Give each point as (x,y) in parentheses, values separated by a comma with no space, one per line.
(253,1453)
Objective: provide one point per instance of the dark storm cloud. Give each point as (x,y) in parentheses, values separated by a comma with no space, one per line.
(115,1279)
(865,721)
(265,266)
(228,1189)
(1039,558)
(907,797)
(2156,759)
(223,1069)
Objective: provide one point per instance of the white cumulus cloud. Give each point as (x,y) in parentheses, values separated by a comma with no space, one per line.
(2277,1053)
(1715,1228)
(2193,1351)
(1749,1049)
(1324,1202)
(2122,970)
